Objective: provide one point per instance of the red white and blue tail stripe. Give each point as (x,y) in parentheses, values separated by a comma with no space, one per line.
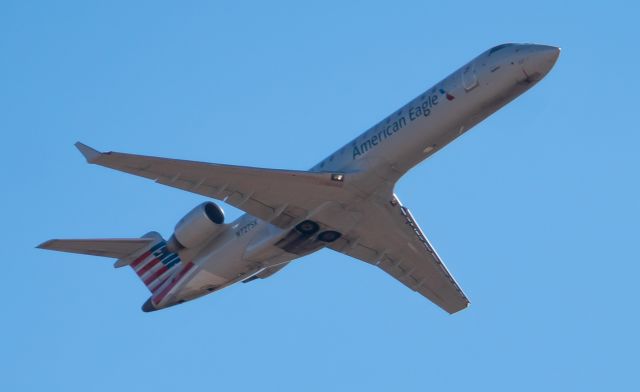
(160,270)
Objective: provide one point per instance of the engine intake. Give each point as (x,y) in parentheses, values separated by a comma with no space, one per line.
(203,223)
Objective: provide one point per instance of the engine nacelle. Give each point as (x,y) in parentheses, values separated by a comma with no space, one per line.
(201,224)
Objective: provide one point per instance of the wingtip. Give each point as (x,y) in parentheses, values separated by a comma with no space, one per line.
(45,245)
(89,153)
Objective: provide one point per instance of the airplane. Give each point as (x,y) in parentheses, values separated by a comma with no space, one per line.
(345,203)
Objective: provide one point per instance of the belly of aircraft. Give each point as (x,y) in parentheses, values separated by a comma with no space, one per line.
(204,282)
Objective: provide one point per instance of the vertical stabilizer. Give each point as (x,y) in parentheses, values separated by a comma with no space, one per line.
(159,269)
(155,264)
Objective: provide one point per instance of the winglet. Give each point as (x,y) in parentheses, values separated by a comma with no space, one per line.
(89,153)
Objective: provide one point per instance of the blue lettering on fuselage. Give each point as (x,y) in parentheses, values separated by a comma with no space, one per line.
(388,128)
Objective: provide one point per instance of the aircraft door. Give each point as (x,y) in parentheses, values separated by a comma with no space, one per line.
(469,77)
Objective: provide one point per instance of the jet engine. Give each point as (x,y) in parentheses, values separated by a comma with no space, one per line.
(203,223)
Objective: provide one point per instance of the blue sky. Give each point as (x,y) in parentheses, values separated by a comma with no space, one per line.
(535,210)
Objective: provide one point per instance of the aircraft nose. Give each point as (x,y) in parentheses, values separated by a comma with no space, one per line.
(540,59)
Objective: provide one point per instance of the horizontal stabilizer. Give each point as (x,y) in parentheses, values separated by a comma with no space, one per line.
(116,248)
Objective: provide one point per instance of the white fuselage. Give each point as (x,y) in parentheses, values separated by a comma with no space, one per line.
(382,154)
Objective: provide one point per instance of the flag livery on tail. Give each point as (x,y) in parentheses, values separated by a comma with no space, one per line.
(159,269)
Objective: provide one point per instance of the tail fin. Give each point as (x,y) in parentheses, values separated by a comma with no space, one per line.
(153,264)
(159,269)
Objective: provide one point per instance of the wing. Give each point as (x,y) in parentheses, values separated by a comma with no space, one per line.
(391,239)
(117,248)
(281,197)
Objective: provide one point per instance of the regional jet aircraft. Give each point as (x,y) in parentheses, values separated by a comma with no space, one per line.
(345,203)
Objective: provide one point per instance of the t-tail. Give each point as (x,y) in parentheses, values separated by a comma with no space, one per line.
(157,267)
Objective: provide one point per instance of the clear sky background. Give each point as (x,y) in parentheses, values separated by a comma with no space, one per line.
(535,210)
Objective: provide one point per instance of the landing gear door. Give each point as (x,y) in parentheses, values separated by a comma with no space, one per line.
(469,78)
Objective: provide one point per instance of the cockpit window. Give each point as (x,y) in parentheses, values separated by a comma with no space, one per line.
(497,48)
